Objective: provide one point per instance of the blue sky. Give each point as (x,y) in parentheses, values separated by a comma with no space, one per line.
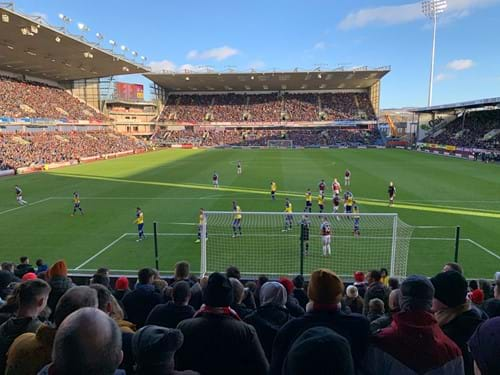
(282,35)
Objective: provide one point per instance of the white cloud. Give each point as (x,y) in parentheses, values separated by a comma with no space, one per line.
(443,77)
(163,65)
(319,45)
(461,64)
(398,14)
(218,54)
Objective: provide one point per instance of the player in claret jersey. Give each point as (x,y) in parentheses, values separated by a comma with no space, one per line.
(336,186)
(347,177)
(309,199)
(322,187)
(215,180)
(19,196)
(326,231)
(392,193)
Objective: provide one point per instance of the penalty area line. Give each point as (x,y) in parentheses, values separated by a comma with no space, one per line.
(100,252)
(483,248)
(26,205)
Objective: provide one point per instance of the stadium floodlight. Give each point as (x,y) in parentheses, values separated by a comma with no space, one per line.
(134,53)
(432,9)
(82,27)
(99,36)
(144,58)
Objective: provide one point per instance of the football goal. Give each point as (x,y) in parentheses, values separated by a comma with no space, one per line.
(279,244)
(280,143)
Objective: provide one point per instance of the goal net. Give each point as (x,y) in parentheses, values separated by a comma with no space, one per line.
(280,143)
(276,244)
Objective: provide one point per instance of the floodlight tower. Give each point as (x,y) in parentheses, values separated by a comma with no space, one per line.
(432,9)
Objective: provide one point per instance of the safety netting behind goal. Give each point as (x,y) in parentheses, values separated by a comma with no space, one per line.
(279,245)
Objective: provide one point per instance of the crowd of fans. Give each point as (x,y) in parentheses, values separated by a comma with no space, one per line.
(262,137)
(221,324)
(21,99)
(39,148)
(469,132)
(271,107)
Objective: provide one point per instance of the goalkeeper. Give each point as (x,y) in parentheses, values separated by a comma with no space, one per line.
(305,225)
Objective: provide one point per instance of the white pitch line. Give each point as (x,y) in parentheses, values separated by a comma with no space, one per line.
(483,248)
(101,251)
(26,205)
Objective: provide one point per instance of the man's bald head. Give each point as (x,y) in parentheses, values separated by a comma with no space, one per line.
(87,342)
(394,297)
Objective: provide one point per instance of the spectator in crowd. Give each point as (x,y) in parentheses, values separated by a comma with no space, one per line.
(360,283)
(29,276)
(139,302)
(384,279)
(23,267)
(181,273)
(261,280)
(414,343)
(154,349)
(110,306)
(271,314)
(386,319)
(121,288)
(375,309)
(9,307)
(59,283)
(485,347)
(101,279)
(292,304)
(325,293)
(248,298)
(319,351)
(32,298)
(104,271)
(453,266)
(6,280)
(352,300)
(492,305)
(238,294)
(41,266)
(87,342)
(393,283)
(30,352)
(216,341)
(486,288)
(170,314)
(453,312)
(299,292)
(375,289)
(9,267)
(476,297)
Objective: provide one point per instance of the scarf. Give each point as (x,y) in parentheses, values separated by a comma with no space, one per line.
(445,316)
(227,311)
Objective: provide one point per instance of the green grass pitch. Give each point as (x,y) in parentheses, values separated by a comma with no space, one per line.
(171,185)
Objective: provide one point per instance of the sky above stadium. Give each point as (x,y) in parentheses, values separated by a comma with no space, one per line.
(283,35)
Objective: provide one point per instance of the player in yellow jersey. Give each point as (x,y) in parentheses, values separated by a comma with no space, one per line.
(76,203)
(273,190)
(288,215)
(348,203)
(139,220)
(201,220)
(236,220)
(309,200)
(321,203)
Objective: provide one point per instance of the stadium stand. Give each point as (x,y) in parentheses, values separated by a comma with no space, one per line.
(437,310)
(260,137)
(38,148)
(272,107)
(22,99)
(479,129)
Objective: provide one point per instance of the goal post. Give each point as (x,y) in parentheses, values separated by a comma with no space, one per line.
(280,143)
(280,244)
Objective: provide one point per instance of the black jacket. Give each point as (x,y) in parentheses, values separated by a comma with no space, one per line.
(354,327)
(376,290)
(460,330)
(267,321)
(169,315)
(220,344)
(242,310)
(139,303)
(22,269)
(294,307)
(301,296)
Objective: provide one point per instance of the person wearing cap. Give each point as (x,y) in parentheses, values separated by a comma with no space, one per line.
(325,293)
(485,347)
(454,313)
(29,276)
(271,314)
(414,343)
(121,288)
(476,297)
(154,348)
(216,341)
(319,351)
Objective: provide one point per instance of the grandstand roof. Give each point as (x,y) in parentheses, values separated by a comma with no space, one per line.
(459,106)
(361,78)
(29,46)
